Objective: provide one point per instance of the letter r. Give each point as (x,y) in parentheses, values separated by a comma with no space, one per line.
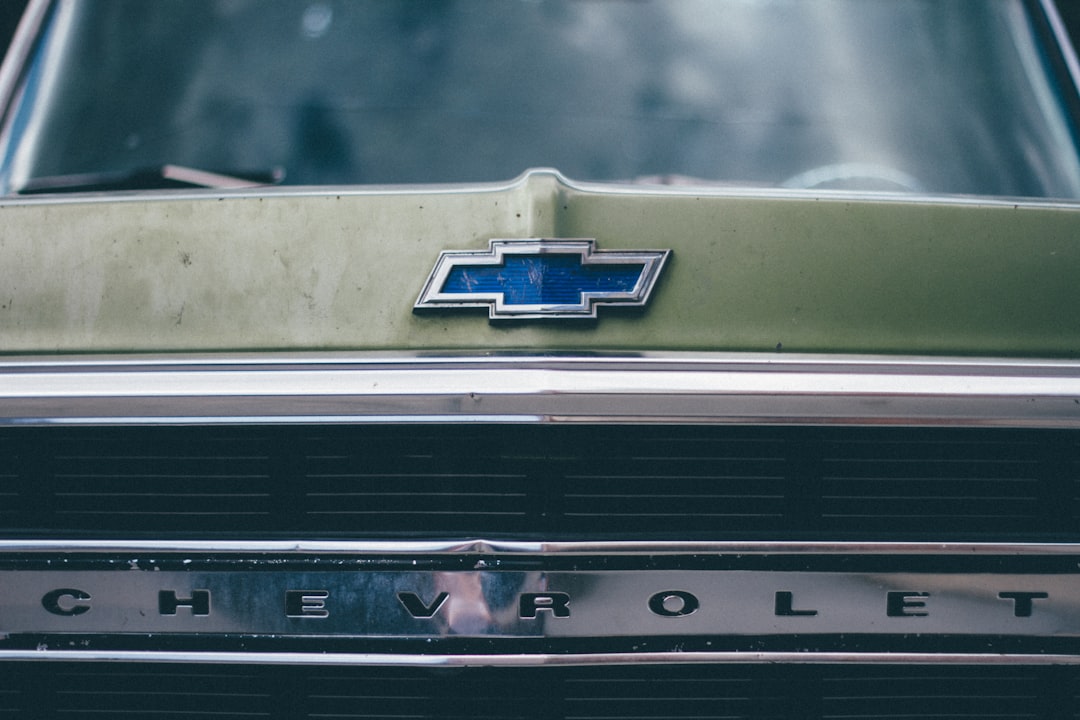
(556,603)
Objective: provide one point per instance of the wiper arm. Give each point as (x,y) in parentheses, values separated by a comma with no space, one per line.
(162,177)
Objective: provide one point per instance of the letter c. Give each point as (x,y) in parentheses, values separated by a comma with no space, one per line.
(51,602)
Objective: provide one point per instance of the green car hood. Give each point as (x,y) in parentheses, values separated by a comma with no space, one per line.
(293,269)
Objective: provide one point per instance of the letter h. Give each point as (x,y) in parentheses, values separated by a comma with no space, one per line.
(199,602)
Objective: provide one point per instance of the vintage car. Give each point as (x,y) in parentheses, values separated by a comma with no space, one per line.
(540,359)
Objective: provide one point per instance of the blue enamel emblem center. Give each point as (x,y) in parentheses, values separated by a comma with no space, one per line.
(542,279)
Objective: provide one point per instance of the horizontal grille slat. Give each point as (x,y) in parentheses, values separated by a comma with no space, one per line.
(939,694)
(685,482)
(132,692)
(685,692)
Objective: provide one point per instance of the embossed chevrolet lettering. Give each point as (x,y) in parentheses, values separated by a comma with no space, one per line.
(667,603)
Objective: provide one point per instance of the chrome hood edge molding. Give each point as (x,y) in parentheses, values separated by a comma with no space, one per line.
(754,389)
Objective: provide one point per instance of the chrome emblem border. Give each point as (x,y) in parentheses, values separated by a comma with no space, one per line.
(435,295)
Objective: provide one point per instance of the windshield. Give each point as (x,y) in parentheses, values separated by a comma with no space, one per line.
(929,96)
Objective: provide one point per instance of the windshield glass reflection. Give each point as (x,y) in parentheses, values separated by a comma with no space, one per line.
(894,95)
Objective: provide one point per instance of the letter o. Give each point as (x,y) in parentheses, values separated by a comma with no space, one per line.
(688,603)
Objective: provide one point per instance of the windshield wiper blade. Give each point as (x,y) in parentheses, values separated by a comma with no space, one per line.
(161,177)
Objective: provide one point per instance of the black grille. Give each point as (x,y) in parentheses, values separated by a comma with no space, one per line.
(47,690)
(685,482)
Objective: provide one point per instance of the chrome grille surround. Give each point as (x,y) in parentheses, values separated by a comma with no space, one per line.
(1009,602)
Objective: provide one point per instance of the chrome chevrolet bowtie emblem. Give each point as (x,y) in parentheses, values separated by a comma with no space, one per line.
(541,278)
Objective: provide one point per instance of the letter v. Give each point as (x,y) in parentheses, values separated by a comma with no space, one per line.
(416,606)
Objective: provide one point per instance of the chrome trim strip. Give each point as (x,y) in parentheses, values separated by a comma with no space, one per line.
(130,604)
(136,603)
(595,188)
(22,44)
(1063,41)
(287,548)
(752,389)
(540,660)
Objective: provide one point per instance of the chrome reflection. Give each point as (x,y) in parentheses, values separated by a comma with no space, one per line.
(360,600)
(539,603)
(540,659)
(717,389)
(479,548)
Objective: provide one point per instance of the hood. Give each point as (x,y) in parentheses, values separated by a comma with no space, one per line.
(341,269)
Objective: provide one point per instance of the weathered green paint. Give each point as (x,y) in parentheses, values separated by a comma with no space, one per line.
(315,271)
